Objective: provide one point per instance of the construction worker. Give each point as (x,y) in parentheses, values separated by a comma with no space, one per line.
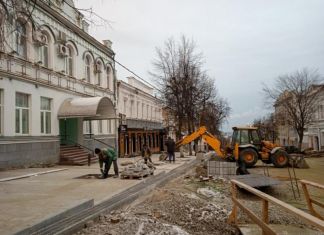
(107,156)
(146,154)
(170,144)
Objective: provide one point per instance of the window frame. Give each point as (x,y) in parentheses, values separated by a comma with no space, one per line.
(20,110)
(41,52)
(87,68)
(100,127)
(68,63)
(44,121)
(19,36)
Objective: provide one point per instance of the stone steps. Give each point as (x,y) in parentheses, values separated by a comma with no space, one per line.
(75,155)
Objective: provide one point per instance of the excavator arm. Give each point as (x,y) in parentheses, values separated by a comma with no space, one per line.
(211,140)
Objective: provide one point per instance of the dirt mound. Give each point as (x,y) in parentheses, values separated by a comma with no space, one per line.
(166,212)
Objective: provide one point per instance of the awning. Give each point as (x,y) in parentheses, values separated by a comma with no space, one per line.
(92,108)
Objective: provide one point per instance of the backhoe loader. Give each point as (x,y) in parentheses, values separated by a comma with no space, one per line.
(246,147)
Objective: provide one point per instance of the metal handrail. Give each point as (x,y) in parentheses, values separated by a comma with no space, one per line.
(103,143)
(82,146)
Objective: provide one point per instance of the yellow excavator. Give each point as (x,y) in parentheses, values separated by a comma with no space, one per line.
(246,147)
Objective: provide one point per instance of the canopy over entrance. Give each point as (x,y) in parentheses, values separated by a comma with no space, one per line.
(92,108)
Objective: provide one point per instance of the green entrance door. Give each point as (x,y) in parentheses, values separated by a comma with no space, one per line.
(69,131)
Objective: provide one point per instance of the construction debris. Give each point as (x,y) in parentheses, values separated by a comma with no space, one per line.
(298,161)
(137,170)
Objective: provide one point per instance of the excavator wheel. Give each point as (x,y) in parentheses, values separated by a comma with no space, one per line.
(280,159)
(249,156)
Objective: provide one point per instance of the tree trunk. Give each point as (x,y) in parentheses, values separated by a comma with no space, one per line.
(300,141)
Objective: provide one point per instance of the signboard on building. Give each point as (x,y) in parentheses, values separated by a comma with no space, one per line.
(122,128)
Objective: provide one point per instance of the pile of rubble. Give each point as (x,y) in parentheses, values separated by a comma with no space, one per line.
(137,170)
(170,212)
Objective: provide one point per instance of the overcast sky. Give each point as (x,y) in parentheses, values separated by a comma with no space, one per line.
(245,43)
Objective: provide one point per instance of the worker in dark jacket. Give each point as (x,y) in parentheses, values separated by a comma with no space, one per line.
(170,144)
(107,156)
(146,154)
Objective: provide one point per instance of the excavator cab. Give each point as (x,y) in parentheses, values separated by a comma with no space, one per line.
(246,144)
(246,136)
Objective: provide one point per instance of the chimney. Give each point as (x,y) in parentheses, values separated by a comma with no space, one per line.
(107,43)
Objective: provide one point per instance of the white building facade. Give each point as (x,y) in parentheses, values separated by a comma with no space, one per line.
(57,86)
(140,115)
(314,132)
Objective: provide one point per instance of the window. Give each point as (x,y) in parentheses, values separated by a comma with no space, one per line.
(244,137)
(109,126)
(255,137)
(87,127)
(45,115)
(98,71)
(143,106)
(321,112)
(22,113)
(100,126)
(87,68)
(108,77)
(43,51)
(1,112)
(137,109)
(147,111)
(131,108)
(125,103)
(21,42)
(68,62)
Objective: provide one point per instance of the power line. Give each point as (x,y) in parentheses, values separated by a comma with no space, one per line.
(139,77)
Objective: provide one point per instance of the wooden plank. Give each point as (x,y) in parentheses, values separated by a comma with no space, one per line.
(317,202)
(312,184)
(309,202)
(265,214)
(265,211)
(265,228)
(303,215)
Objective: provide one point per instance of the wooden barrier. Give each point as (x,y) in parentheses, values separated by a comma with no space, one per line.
(266,199)
(310,201)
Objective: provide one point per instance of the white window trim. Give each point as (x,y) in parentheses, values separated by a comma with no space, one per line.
(44,116)
(20,115)
(100,127)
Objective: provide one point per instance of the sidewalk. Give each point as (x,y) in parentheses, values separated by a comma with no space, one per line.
(27,201)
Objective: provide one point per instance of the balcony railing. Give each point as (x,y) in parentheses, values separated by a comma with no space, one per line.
(26,70)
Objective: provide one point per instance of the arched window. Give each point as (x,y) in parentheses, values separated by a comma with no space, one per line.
(98,72)
(43,50)
(109,77)
(69,62)
(87,68)
(20,40)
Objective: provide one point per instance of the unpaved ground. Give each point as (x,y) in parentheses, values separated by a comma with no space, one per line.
(176,208)
(187,205)
(285,193)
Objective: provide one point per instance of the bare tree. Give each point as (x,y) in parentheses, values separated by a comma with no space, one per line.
(185,87)
(267,126)
(214,114)
(296,94)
